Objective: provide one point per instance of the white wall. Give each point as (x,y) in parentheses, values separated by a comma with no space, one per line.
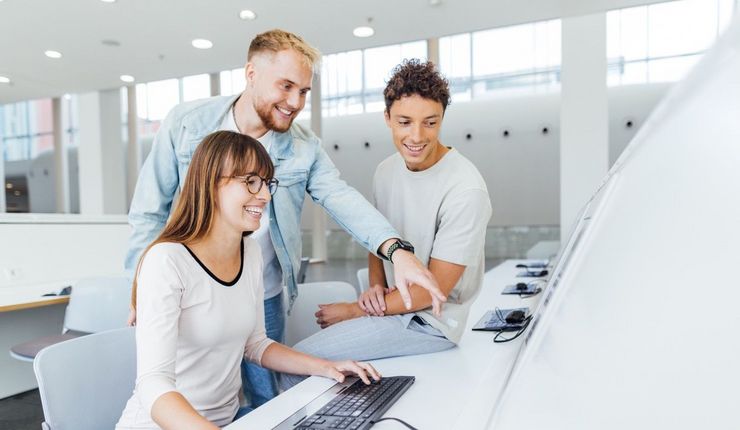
(55,247)
(522,170)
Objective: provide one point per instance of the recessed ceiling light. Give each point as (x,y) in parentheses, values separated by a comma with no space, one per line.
(246,14)
(202,43)
(108,1)
(53,54)
(4,79)
(363,31)
(67,96)
(127,78)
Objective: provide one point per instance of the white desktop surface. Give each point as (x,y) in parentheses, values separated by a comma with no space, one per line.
(446,392)
(32,295)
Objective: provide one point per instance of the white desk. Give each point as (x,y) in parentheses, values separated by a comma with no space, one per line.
(445,394)
(25,314)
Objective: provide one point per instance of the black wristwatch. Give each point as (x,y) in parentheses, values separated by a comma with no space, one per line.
(398,244)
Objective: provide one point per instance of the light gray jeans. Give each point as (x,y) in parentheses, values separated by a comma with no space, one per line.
(371,338)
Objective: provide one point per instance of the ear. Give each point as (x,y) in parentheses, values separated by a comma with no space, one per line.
(249,73)
(387,115)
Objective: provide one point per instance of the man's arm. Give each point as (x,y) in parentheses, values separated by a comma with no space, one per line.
(447,273)
(371,301)
(366,225)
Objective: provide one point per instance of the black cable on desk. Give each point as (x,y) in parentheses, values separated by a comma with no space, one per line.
(500,339)
(394,419)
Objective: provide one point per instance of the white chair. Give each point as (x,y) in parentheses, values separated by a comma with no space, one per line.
(363,280)
(301,323)
(95,305)
(85,383)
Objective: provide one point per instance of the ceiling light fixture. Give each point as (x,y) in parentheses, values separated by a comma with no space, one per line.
(247,15)
(364,30)
(4,79)
(127,78)
(53,54)
(202,44)
(108,1)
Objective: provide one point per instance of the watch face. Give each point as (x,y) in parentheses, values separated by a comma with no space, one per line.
(406,245)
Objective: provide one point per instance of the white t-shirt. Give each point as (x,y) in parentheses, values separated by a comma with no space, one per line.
(443,211)
(273,273)
(192,331)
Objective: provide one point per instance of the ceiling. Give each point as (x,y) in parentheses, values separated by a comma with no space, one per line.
(155,35)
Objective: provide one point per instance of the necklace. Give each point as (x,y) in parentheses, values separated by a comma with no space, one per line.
(233,116)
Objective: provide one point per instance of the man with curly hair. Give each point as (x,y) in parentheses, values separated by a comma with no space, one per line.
(435,197)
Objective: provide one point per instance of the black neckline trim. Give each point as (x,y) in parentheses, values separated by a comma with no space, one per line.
(215,278)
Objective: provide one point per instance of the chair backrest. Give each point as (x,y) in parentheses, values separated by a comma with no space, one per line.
(98,304)
(363,279)
(301,322)
(85,382)
(301,277)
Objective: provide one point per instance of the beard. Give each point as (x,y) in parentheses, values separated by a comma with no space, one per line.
(265,112)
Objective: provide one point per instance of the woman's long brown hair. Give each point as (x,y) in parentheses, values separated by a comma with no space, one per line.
(221,154)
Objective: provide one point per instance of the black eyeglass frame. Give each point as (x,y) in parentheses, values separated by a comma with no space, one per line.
(272,183)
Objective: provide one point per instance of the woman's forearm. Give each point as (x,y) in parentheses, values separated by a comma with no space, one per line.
(283,359)
(172,411)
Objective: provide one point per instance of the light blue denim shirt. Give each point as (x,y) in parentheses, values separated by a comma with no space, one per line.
(301,165)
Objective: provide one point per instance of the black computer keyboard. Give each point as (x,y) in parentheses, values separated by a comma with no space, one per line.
(357,406)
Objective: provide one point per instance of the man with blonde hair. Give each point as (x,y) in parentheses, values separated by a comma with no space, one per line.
(279,71)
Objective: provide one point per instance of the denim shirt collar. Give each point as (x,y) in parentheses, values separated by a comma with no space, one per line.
(208,119)
(205,122)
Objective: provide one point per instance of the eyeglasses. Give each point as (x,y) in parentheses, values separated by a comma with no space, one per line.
(254,183)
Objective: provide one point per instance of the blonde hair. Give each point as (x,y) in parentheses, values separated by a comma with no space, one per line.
(278,40)
(221,154)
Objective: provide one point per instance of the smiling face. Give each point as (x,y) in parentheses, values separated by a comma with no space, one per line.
(279,82)
(415,123)
(239,209)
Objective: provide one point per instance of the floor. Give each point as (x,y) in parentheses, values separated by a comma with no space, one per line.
(23,411)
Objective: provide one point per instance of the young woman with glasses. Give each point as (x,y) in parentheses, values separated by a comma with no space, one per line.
(198,297)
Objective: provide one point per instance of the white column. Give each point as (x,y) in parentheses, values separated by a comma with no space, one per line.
(61,165)
(215,80)
(318,230)
(584,125)
(133,151)
(3,207)
(101,154)
(433,50)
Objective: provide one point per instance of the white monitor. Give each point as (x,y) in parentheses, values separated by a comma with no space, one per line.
(638,327)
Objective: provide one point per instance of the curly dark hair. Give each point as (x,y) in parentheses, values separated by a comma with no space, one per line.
(416,77)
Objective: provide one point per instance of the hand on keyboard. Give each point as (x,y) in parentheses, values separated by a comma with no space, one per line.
(337,370)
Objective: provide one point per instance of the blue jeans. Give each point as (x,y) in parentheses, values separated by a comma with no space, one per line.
(258,383)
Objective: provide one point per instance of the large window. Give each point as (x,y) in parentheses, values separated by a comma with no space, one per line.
(353,82)
(521,57)
(661,42)
(232,81)
(26,129)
